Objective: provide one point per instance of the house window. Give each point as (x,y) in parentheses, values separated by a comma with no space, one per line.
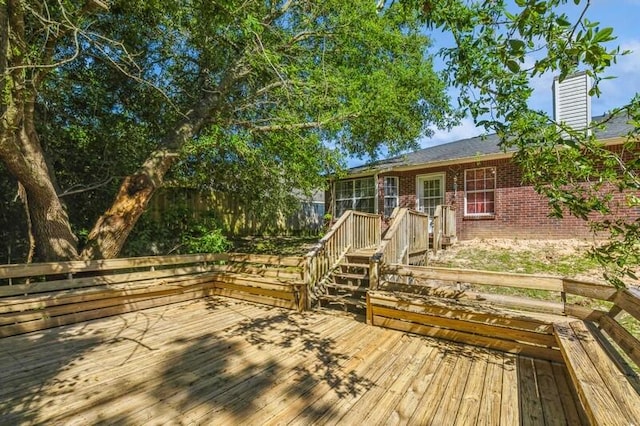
(479,191)
(355,194)
(390,194)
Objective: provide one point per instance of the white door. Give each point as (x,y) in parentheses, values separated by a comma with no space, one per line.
(430,193)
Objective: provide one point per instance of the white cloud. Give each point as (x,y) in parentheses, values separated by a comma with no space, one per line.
(619,91)
(466,129)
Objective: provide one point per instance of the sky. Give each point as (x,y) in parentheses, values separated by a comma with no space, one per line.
(624,17)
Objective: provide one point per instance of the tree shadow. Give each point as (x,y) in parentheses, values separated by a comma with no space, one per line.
(228,373)
(38,366)
(32,362)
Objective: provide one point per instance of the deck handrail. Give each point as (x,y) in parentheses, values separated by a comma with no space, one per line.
(407,235)
(609,319)
(352,231)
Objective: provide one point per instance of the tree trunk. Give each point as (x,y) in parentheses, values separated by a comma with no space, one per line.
(20,147)
(113,228)
(23,157)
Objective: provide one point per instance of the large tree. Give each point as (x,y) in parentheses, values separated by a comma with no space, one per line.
(96,92)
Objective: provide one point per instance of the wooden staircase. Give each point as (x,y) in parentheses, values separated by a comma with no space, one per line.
(347,286)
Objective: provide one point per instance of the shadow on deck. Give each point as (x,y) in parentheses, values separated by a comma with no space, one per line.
(226,362)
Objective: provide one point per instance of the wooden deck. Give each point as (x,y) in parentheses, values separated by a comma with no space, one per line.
(219,361)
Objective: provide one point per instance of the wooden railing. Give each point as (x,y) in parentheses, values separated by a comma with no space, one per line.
(535,295)
(405,242)
(354,230)
(44,295)
(444,226)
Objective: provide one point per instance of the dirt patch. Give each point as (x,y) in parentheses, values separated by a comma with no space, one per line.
(554,257)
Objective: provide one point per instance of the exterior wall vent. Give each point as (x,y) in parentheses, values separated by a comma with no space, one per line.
(571,101)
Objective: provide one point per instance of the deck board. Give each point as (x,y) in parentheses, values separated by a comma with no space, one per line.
(220,361)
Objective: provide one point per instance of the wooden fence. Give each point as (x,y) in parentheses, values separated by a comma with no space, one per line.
(235,216)
(84,290)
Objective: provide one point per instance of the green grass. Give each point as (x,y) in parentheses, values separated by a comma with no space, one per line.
(279,246)
(519,261)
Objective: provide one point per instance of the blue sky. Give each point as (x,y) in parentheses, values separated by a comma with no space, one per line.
(624,17)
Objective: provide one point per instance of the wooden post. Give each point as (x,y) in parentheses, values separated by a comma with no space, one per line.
(369,310)
(374,271)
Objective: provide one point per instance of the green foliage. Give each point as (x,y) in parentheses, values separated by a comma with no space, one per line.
(500,47)
(205,239)
(259,99)
(176,229)
(13,233)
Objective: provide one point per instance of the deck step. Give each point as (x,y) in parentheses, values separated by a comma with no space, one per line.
(350,276)
(345,287)
(342,300)
(355,265)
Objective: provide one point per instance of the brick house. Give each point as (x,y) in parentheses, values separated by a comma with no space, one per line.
(476,176)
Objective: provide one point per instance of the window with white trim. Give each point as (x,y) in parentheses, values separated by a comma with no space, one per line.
(390,187)
(479,191)
(355,194)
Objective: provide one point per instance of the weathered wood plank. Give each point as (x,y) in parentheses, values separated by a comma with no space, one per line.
(629,300)
(431,399)
(380,370)
(307,382)
(470,404)
(530,398)
(35,288)
(502,279)
(625,340)
(471,339)
(592,290)
(303,406)
(50,305)
(489,410)
(55,268)
(119,308)
(410,401)
(373,401)
(454,392)
(464,310)
(510,402)
(549,395)
(583,313)
(601,406)
(621,389)
(571,406)
(501,332)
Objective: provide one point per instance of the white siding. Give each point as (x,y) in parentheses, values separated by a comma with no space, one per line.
(572,103)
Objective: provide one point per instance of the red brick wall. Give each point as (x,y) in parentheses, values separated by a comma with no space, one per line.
(519,211)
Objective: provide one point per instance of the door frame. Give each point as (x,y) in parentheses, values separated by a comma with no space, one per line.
(420,186)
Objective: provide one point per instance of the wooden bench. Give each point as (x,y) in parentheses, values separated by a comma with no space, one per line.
(84,290)
(607,393)
(466,322)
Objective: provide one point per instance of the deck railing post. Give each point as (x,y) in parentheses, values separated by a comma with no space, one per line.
(374,271)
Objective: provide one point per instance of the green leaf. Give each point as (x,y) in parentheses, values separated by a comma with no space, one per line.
(603,35)
(513,66)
